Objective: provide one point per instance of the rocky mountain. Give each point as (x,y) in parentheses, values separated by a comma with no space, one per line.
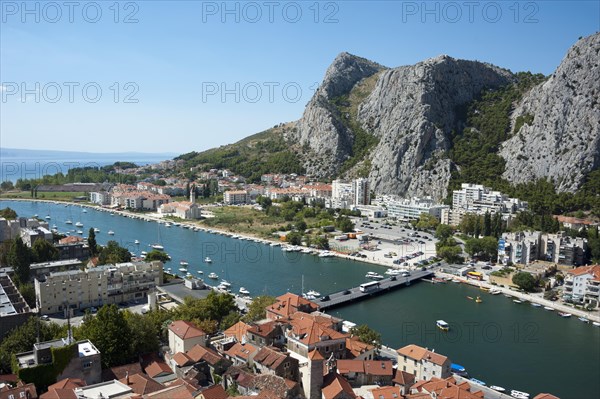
(557,124)
(410,110)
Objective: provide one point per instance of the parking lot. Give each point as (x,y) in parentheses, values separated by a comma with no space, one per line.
(394,244)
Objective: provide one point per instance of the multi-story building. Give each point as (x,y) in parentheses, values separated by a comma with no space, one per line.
(361,192)
(270,360)
(525,247)
(85,363)
(410,209)
(582,285)
(28,229)
(100,197)
(37,270)
(234,197)
(184,335)
(342,194)
(80,289)
(31,235)
(423,363)
(14,311)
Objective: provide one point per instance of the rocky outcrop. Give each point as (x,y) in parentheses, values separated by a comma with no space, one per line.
(325,140)
(558,123)
(413,109)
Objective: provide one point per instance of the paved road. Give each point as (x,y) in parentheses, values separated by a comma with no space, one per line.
(354,294)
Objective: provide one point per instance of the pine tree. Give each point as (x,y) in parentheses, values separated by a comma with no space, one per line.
(93,245)
(19,258)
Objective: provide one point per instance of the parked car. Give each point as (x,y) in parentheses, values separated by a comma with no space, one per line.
(45,317)
(325,298)
(346,292)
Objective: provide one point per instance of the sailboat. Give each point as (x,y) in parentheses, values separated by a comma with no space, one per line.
(158,245)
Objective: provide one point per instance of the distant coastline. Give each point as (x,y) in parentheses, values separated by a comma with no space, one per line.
(32,164)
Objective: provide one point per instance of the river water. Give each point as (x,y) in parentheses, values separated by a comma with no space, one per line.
(512,345)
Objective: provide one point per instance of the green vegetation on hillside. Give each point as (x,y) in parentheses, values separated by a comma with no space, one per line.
(347,108)
(265,152)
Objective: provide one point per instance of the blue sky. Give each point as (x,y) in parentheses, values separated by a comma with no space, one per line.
(177,76)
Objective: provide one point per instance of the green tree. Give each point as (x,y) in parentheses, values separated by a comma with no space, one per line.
(321,243)
(92,244)
(113,253)
(300,225)
(157,255)
(19,258)
(443,232)
(6,185)
(257,309)
(344,224)
(427,222)
(524,281)
(28,293)
(110,333)
(294,238)
(144,333)
(8,213)
(367,335)
(487,224)
(229,320)
(43,251)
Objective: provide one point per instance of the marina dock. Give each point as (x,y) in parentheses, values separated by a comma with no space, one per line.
(354,294)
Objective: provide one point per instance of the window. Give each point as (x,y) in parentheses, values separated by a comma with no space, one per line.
(433,372)
(87,364)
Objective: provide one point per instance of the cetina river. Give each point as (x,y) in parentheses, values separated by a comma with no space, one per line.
(499,342)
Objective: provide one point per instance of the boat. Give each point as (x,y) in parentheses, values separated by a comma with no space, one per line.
(183,263)
(476,381)
(374,276)
(96,230)
(536,305)
(244,291)
(314,294)
(517,301)
(495,292)
(79,231)
(478,300)
(457,369)
(111,233)
(437,280)
(68,222)
(442,325)
(207,260)
(225,283)
(583,319)
(394,272)
(157,247)
(548,308)
(497,388)
(326,254)
(48,217)
(596,324)
(136,242)
(519,394)
(564,315)
(213,276)
(144,253)
(200,272)
(306,251)
(84,211)
(79,224)
(182,269)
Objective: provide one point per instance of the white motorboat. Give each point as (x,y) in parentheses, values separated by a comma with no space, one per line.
(497,388)
(519,394)
(584,319)
(144,253)
(207,260)
(96,230)
(595,324)
(225,283)
(244,291)
(374,276)
(393,272)
(325,254)
(68,222)
(183,263)
(517,301)
(313,293)
(442,325)
(48,217)
(84,211)
(200,272)
(158,247)
(182,269)
(79,224)
(111,233)
(79,232)
(306,251)
(564,315)
(548,308)
(495,292)
(213,276)
(167,224)
(136,242)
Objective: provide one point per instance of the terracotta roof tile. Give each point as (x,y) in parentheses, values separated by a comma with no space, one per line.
(158,368)
(142,384)
(416,352)
(242,351)
(185,329)
(237,331)
(198,353)
(334,384)
(214,392)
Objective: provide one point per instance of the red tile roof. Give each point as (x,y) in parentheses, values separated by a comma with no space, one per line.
(242,351)
(545,396)
(141,384)
(403,378)
(181,359)
(237,331)
(198,353)
(185,329)
(27,389)
(157,368)
(181,391)
(594,270)
(289,303)
(356,347)
(68,383)
(418,353)
(386,393)
(271,358)
(214,392)
(379,367)
(334,384)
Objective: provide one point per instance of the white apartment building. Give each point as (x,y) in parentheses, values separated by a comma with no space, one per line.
(412,208)
(583,285)
(234,197)
(100,197)
(478,199)
(525,247)
(80,289)
(423,363)
(346,194)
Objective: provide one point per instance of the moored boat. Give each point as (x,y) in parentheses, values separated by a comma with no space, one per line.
(442,325)
(497,388)
(136,242)
(564,315)
(476,381)
(111,233)
(583,319)
(548,308)
(244,291)
(374,276)
(183,263)
(213,276)
(596,324)
(519,394)
(536,305)
(207,260)
(517,301)
(158,247)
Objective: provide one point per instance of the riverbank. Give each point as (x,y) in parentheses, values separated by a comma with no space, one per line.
(592,316)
